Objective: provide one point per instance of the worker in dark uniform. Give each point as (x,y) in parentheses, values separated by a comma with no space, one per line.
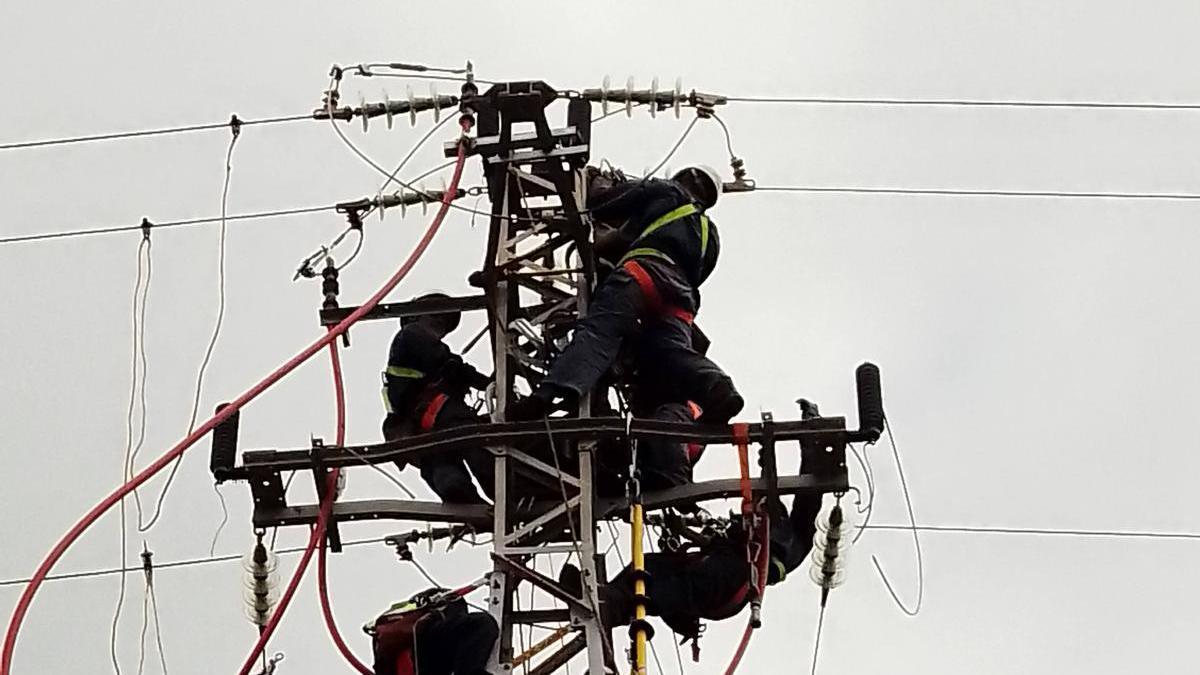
(668,247)
(433,633)
(425,387)
(712,584)
(663,463)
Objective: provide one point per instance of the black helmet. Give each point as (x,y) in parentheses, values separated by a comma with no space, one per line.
(449,319)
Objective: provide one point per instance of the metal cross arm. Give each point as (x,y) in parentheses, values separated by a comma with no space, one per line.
(461,438)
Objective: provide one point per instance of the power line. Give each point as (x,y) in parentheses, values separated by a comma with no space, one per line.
(948,529)
(962,103)
(812,189)
(1048,532)
(764,100)
(175,563)
(954,192)
(165,224)
(149,132)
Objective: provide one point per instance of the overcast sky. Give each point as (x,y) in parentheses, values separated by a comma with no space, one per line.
(1038,354)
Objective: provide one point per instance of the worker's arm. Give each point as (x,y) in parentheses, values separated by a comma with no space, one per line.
(626,200)
(610,243)
(792,535)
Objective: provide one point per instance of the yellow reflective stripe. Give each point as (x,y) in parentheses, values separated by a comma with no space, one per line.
(779,567)
(401,371)
(703,236)
(645,252)
(668,218)
(387,402)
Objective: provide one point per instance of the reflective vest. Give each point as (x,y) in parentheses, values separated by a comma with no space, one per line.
(661,222)
(428,411)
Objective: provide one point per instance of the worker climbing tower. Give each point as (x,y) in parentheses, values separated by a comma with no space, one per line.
(535,280)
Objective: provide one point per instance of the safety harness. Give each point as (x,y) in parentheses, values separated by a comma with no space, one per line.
(642,277)
(394,632)
(428,410)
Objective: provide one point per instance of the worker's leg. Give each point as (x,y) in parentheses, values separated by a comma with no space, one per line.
(456,413)
(666,354)
(447,475)
(664,463)
(612,317)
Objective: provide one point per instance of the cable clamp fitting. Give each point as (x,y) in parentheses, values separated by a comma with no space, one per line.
(235,125)
(146,225)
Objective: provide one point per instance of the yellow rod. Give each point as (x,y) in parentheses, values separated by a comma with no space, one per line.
(639,587)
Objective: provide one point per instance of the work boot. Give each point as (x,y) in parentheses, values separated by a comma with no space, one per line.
(571,579)
(528,408)
(723,404)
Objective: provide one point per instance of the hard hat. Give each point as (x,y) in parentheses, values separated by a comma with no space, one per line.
(702,182)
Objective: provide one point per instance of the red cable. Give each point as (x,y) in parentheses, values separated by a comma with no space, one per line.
(56,553)
(322,584)
(763,560)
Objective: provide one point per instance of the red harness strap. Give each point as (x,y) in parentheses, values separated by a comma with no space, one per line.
(650,292)
(741,437)
(431,411)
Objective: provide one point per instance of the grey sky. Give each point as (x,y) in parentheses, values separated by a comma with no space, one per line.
(1038,355)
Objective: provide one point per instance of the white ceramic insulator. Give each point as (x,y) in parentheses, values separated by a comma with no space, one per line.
(678,95)
(654,97)
(387,109)
(433,96)
(629,97)
(604,95)
(412,107)
(362,108)
(817,574)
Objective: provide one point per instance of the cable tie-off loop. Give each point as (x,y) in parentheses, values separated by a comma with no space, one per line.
(146,225)
(148,564)
(235,125)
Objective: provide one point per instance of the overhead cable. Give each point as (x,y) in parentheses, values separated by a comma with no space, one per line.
(150,132)
(962,103)
(766,100)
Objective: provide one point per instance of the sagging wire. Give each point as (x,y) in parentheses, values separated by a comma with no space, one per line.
(212,548)
(72,535)
(334,85)
(887,425)
(864,462)
(235,128)
(674,148)
(327,249)
(150,608)
(395,481)
(141,289)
